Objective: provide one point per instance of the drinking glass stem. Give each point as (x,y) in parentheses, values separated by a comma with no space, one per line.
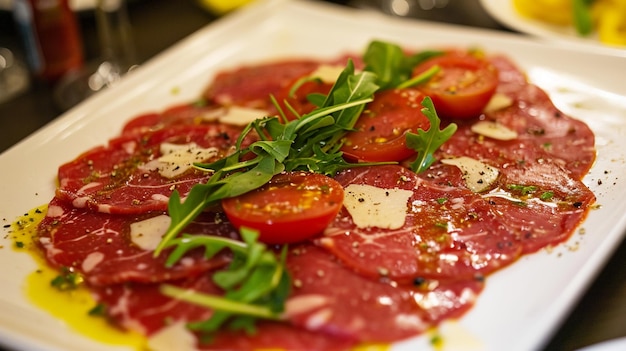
(114,32)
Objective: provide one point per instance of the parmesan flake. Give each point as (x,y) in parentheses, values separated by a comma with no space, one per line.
(371,206)
(478,176)
(147,234)
(494,130)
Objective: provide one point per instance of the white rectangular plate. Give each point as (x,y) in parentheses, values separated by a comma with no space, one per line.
(520,306)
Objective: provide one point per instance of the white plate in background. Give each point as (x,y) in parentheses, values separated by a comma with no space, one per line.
(521,305)
(503,12)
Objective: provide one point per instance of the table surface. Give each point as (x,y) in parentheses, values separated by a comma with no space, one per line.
(601,312)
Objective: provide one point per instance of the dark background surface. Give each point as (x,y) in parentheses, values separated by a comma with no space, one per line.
(158,24)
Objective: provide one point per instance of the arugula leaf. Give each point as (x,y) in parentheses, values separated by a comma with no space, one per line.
(391,65)
(427,142)
(314,136)
(256,283)
(217,188)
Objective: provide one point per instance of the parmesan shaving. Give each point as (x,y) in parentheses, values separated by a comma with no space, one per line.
(147,234)
(177,159)
(494,130)
(497,102)
(327,73)
(175,336)
(370,206)
(478,176)
(241,116)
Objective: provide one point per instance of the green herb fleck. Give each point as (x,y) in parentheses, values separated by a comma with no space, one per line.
(547,195)
(523,189)
(67,280)
(98,310)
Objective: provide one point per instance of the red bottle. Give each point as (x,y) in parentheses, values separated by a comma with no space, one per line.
(50,32)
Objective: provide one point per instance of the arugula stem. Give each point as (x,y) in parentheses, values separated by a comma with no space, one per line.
(420,79)
(257,283)
(219,303)
(178,226)
(327,111)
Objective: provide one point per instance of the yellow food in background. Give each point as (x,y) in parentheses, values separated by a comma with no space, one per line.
(550,11)
(608,16)
(220,7)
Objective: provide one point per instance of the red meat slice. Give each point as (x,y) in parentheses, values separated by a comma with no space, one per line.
(449,232)
(331,308)
(278,336)
(545,134)
(111,179)
(555,204)
(99,247)
(143,309)
(329,298)
(185,114)
(251,86)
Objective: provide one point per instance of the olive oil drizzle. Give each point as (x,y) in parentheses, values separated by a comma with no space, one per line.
(72,306)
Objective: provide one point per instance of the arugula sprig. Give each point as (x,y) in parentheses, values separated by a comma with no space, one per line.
(256,283)
(395,69)
(310,142)
(427,142)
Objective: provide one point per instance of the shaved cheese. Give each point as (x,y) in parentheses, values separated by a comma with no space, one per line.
(177,158)
(497,102)
(304,303)
(371,206)
(494,130)
(175,336)
(213,115)
(242,116)
(478,176)
(147,234)
(328,73)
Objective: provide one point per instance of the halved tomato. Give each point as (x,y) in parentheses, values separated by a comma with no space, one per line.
(463,86)
(380,131)
(292,207)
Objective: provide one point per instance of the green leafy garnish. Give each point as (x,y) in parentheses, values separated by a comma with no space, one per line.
(99,310)
(256,283)
(523,189)
(427,142)
(67,280)
(393,67)
(310,142)
(546,195)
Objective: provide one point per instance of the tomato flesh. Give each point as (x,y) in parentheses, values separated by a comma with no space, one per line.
(380,131)
(463,86)
(292,207)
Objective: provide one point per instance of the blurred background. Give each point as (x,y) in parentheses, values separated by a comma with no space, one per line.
(154,26)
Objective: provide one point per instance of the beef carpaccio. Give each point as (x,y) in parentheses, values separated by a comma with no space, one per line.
(505,184)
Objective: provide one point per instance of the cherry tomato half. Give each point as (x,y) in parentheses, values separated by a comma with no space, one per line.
(463,86)
(380,131)
(292,207)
